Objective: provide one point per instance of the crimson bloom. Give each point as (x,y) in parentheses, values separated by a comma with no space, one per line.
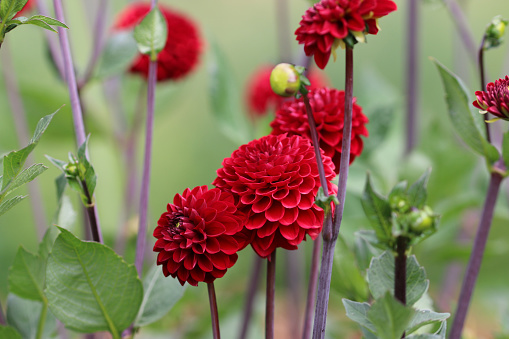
(261,98)
(329,112)
(495,99)
(198,236)
(183,45)
(325,25)
(275,180)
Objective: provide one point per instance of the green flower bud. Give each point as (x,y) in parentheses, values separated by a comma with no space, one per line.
(71,170)
(399,204)
(495,32)
(421,220)
(285,80)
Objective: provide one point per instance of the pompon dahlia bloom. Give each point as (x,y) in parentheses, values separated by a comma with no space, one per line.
(198,236)
(495,99)
(183,46)
(324,26)
(275,180)
(329,111)
(261,98)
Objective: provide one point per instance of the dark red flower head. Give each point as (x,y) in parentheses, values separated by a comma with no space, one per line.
(329,111)
(261,98)
(198,237)
(324,26)
(183,46)
(495,99)
(28,6)
(275,180)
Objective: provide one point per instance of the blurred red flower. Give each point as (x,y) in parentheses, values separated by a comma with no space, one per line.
(495,99)
(183,45)
(329,112)
(198,236)
(275,180)
(28,7)
(261,98)
(324,26)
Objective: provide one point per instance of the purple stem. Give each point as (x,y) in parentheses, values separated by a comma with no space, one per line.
(271,292)
(400,271)
(412,76)
(52,42)
(461,23)
(77,115)
(21,125)
(99,28)
(251,293)
(213,311)
(145,181)
(330,234)
(483,81)
(476,256)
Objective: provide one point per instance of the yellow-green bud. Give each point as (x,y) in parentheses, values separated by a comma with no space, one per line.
(71,170)
(285,80)
(422,220)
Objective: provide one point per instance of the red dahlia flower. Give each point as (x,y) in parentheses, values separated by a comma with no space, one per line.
(275,180)
(261,98)
(329,112)
(198,237)
(183,46)
(325,25)
(495,99)
(28,6)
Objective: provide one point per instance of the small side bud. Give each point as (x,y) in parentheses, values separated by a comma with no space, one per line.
(285,80)
(495,32)
(422,220)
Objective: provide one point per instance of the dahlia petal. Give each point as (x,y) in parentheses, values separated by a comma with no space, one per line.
(212,245)
(321,59)
(268,229)
(216,273)
(307,185)
(275,212)
(220,260)
(290,232)
(306,201)
(172,266)
(215,228)
(307,219)
(292,199)
(256,221)
(190,261)
(290,216)
(228,245)
(163,256)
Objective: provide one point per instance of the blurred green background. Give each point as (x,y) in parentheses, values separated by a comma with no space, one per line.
(189,146)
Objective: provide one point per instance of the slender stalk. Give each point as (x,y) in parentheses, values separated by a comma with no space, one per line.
(476,256)
(77,114)
(90,209)
(42,319)
(330,234)
(400,271)
(412,75)
(271,291)
(251,293)
(2,317)
(483,81)
(283,31)
(21,126)
(213,311)
(463,28)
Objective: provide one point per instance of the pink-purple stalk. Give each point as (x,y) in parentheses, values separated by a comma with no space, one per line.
(412,75)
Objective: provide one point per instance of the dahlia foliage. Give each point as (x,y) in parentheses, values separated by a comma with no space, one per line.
(260,97)
(328,111)
(495,99)
(183,45)
(275,180)
(199,235)
(332,23)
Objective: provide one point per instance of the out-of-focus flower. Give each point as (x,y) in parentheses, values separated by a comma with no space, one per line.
(28,7)
(495,99)
(332,23)
(328,111)
(183,45)
(198,236)
(275,180)
(261,98)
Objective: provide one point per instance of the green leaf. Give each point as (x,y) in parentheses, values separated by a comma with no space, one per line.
(151,33)
(425,317)
(110,292)
(381,277)
(10,203)
(7,332)
(24,315)
(40,23)
(378,211)
(47,244)
(89,174)
(118,54)
(417,192)
(224,97)
(9,8)
(24,177)
(48,20)
(58,163)
(465,118)
(505,149)
(27,275)
(160,294)
(389,317)
(358,313)
(365,247)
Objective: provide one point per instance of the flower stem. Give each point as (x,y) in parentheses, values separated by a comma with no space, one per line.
(476,256)
(251,293)
(213,311)
(313,282)
(77,115)
(483,81)
(2,317)
(42,319)
(461,23)
(145,181)
(412,76)
(400,271)
(330,234)
(271,291)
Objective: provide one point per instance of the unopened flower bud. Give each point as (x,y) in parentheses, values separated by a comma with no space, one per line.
(421,220)
(495,32)
(71,170)
(285,80)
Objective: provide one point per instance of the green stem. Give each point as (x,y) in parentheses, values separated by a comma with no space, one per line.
(42,319)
